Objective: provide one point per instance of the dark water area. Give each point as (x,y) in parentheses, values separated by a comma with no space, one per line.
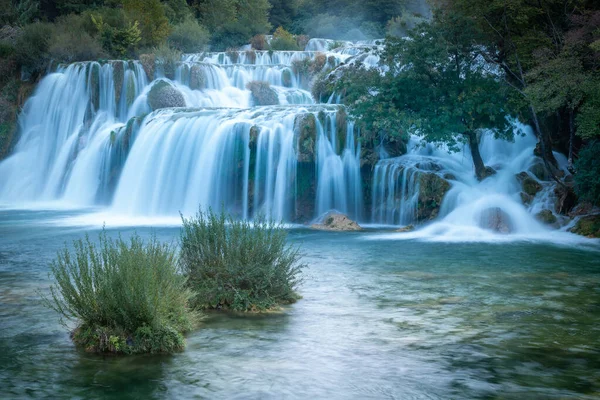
(380,318)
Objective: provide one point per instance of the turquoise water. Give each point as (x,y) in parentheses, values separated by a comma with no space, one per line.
(380,318)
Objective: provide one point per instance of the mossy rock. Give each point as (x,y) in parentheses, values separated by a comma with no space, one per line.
(525,198)
(337,222)
(546,217)
(94,87)
(566,199)
(432,189)
(588,226)
(529,185)
(341,124)
(305,128)
(197,78)
(262,94)
(253,139)
(165,95)
(286,78)
(130,93)
(118,78)
(540,171)
(148,62)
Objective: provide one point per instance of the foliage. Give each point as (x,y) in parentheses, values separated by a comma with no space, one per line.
(167,59)
(118,39)
(32,46)
(238,265)
(259,42)
(177,11)
(70,42)
(189,37)
(127,296)
(150,14)
(402,25)
(283,40)
(587,179)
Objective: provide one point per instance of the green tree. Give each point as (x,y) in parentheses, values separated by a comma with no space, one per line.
(150,14)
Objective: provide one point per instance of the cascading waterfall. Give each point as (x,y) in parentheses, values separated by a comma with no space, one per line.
(90,138)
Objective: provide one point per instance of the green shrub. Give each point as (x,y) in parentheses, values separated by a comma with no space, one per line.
(283,40)
(189,37)
(259,42)
(31,49)
(167,59)
(127,296)
(262,93)
(402,25)
(238,265)
(587,178)
(118,37)
(70,42)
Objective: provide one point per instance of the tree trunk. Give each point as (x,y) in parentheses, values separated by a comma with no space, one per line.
(480,169)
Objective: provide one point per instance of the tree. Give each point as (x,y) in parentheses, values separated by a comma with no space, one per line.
(152,20)
(437,86)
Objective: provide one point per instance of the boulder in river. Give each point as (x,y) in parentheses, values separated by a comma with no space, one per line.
(164,95)
(337,222)
(529,185)
(546,217)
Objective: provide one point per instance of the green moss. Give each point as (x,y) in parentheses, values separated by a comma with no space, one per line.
(432,189)
(286,77)
(588,226)
(546,217)
(530,186)
(118,78)
(130,90)
(94,85)
(341,123)
(305,128)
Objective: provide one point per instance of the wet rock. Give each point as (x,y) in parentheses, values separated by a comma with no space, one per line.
(337,222)
(197,78)
(449,177)
(487,172)
(408,228)
(262,94)
(432,189)
(118,78)
(148,62)
(529,185)
(588,226)
(583,208)
(546,217)
(165,95)
(525,198)
(497,220)
(286,78)
(539,170)
(305,128)
(341,123)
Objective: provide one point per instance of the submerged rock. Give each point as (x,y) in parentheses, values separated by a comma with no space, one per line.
(197,78)
(529,185)
(588,226)
(408,228)
(497,220)
(337,222)
(164,95)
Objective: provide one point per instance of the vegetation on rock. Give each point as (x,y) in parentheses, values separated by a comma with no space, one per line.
(126,296)
(262,94)
(238,265)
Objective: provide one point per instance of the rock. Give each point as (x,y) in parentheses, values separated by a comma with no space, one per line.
(525,198)
(148,62)
(546,217)
(432,189)
(305,128)
(588,226)
(540,171)
(584,208)
(566,199)
(449,177)
(118,78)
(408,228)
(262,94)
(164,95)
(197,78)
(341,123)
(337,222)
(530,186)
(286,78)
(496,220)
(487,172)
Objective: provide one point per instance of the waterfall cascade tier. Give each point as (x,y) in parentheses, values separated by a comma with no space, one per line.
(240,130)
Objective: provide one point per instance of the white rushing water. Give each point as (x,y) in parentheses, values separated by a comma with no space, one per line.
(88,138)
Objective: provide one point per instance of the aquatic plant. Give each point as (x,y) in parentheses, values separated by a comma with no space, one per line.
(238,265)
(126,296)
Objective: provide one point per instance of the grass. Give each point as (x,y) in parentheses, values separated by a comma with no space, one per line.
(238,265)
(126,296)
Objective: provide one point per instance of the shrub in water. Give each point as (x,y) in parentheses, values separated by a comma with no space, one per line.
(238,265)
(127,296)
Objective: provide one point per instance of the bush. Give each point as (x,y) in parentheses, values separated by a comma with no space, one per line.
(259,42)
(167,59)
(189,37)
(587,178)
(31,49)
(70,42)
(118,37)
(262,93)
(283,40)
(128,297)
(238,265)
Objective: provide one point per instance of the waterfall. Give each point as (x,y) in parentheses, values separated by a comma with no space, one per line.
(88,137)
